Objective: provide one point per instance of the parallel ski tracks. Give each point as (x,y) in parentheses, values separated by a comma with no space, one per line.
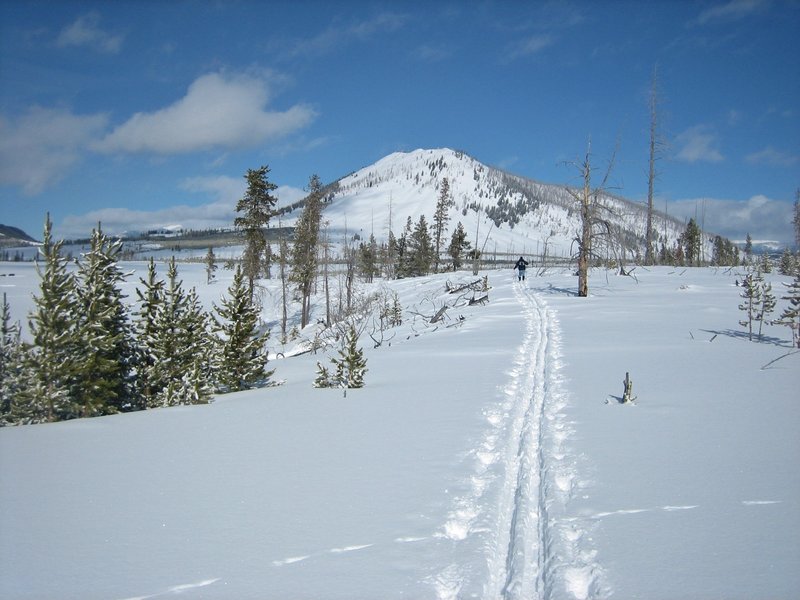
(517,565)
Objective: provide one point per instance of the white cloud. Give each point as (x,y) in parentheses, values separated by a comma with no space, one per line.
(730,11)
(773,157)
(223,191)
(85,31)
(335,37)
(529,46)
(218,111)
(698,144)
(762,217)
(39,147)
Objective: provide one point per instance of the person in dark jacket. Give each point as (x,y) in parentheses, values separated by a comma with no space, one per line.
(520,267)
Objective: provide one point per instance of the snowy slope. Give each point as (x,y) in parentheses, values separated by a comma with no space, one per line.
(486,457)
(506,213)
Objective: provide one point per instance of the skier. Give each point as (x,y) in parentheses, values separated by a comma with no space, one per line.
(520,266)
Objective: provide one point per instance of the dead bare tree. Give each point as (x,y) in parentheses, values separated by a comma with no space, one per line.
(655,152)
(594,224)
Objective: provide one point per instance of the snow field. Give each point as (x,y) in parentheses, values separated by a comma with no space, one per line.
(485,460)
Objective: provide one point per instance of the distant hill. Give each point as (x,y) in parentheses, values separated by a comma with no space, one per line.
(13,236)
(508,214)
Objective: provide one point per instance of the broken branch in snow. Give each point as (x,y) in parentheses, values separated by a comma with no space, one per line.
(481,300)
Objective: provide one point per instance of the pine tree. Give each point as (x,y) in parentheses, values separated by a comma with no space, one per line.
(767,305)
(255,209)
(323,378)
(788,263)
(751,292)
(351,364)
(48,395)
(420,249)
(304,250)
(105,351)
(691,239)
(11,364)
(440,219)
(151,301)
(404,253)
(211,265)
(241,359)
(791,314)
(748,249)
(368,259)
(459,246)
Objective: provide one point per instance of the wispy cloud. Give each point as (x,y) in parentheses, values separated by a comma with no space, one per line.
(730,11)
(222,191)
(433,52)
(762,217)
(86,31)
(218,111)
(335,37)
(529,46)
(771,156)
(40,146)
(698,144)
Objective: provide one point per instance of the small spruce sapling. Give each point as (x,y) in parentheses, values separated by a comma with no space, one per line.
(791,314)
(751,293)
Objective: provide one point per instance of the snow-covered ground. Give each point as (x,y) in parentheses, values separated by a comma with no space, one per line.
(487,457)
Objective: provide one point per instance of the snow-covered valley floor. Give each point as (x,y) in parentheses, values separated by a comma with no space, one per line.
(486,457)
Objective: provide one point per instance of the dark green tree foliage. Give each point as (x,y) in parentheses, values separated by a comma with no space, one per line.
(420,249)
(459,246)
(151,299)
(105,351)
(726,254)
(440,219)
(788,263)
(351,364)
(404,252)
(368,259)
(304,250)
(240,357)
(767,305)
(255,210)
(51,365)
(691,239)
(748,249)
(391,254)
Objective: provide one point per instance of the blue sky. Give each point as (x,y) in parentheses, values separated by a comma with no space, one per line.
(142,113)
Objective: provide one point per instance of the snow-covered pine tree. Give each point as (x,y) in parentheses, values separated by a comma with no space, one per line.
(240,356)
(151,299)
(323,378)
(48,394)
(11,363)
(421,248)
(105,356)
(304,250)
(767,305)
(351,364)
(790,317)
(177,346)
(751,292)
(255,209)
(788,263)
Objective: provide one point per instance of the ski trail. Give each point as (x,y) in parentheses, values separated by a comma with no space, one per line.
(516,564)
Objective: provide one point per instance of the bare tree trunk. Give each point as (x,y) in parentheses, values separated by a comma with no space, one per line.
(585,243)
(649,256)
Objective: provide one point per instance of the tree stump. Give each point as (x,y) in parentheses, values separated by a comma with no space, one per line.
(627,394)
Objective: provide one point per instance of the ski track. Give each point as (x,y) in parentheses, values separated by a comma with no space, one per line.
(530,554)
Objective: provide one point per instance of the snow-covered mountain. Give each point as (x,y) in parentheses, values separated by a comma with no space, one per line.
(519,215)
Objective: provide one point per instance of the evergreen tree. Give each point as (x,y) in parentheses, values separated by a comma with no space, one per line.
(404,253)
(241,359)
(304,250)
(48,395)
(459,246)
(748,249)
(788,263)
(791,314)
(351,364)
(440,219)
(691,239)
(211,265)
(255,210)
(151,301)
(178,346)
(767,304)
(105,351)
(391,257)
(368,259)
(751,292)
(323,378)
(10,363)
(420,249)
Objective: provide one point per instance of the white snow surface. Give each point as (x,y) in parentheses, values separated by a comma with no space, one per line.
(486,458)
